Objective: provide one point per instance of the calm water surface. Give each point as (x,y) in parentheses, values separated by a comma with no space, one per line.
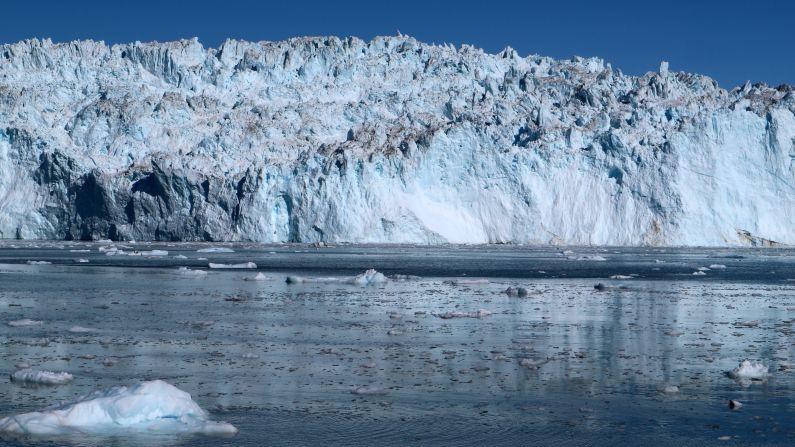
(282,362)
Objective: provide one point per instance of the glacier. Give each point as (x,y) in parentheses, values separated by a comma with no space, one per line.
(327,139)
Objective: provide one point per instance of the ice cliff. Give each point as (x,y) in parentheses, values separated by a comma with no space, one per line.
(393,140)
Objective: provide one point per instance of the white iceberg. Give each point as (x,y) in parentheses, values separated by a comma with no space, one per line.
(749,371)
(258,277)
(41,377)
(369,277)
(39,262)
(190,272)
(81,330)
(243,265)
(148,407)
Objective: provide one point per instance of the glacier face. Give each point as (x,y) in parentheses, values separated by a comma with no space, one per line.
(393,140)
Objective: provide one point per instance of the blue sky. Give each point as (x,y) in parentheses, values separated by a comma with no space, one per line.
(732,41)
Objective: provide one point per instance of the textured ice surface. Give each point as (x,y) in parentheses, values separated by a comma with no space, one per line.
(154,406)
(749,371)
(41,377)
(393,140)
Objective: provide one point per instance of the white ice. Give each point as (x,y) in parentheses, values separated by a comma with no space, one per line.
(41,377)
(749,371)
(25,322)
(148,407)
(215,250)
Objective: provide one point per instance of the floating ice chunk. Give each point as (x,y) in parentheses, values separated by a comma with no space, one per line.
(41,377)
(587,258)
(180,257)
(81,261)
(109,361)
(188,272)
(250,356)
(533,364)
(39,262)
(243,265)
(703,269)
(25,322)
(369,391)
(699,273)
(669,389)
(22,365)
(79,251)
(155,253)
(215,250)
(717,266)
(399,277)
(258,277)
(148,407)
(81,330)
(477,314)
(735,404)
(749,371)
(370,277)
(621,277)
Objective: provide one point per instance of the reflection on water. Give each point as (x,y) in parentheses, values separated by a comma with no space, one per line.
(340,364)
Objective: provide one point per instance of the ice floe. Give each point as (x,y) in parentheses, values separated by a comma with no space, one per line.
(41,377)
(370,277)
(38,262)
(147,407)
(25,322)
(476,314)
(190,272)
(258,277)
(242,265)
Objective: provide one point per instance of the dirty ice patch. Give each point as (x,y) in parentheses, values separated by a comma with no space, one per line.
(41,377)
(148,407)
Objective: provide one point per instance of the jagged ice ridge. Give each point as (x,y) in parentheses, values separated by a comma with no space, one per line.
(392,140)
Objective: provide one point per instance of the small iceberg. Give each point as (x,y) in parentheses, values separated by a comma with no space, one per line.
(215,250)
(155,253)
(38,262)
(242,265)
(369,277)
(81,330)
(621,277)
(41,377)
(25,322)
(749,371)
(258,277)
(148,407)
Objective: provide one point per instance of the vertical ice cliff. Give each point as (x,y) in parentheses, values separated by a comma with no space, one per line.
(393,140)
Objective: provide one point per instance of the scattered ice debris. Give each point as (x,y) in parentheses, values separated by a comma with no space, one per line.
(477,314)
(81,330)
(699,273)
(148,407)
(749,371)
(250,356)
(215,250)
(369,391)
(405,277)
(370,277)
(669,389)
(25,322)
(703,269)
(735,404)
(41,377)
(394,332)
(242,265)
(621,277)
(81,261)
(189,272)
(717,266)
(39,262)
(516,291)
(466,282)
(180,257)
(258,277)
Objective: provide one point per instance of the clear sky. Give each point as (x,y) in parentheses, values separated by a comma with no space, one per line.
(730,40)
